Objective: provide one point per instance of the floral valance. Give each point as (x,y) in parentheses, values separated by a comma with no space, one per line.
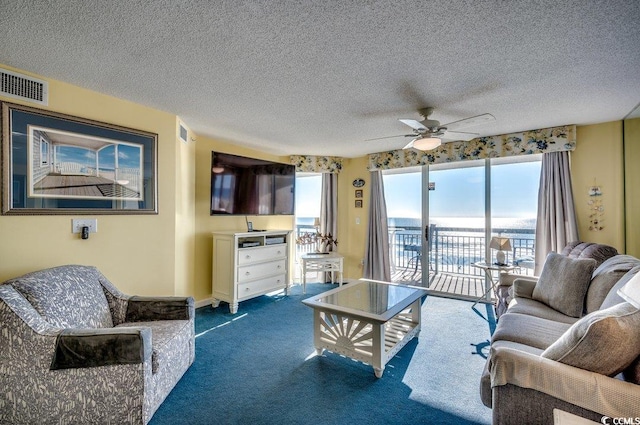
(553,139)
(317,164)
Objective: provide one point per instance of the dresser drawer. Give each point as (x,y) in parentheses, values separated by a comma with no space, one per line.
(257,271)
(261,286)
(254,255)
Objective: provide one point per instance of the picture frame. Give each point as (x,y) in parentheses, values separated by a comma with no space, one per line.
(358,203)
(359,193)
(54,163)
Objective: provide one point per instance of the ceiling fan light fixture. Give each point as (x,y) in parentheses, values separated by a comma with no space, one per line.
(426,143)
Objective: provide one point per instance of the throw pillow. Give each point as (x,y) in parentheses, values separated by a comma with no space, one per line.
(612,297)
(605,277)
(563,283)
(605,341)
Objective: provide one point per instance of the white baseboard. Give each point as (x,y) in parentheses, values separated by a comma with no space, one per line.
(203,303)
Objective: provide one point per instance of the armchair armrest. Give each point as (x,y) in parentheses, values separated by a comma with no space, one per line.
(79,348)
(589,390)
(523,286)
(140,309)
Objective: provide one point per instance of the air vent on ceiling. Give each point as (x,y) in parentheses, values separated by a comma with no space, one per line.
(23,87)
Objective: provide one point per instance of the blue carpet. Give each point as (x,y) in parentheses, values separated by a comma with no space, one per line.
(259,367)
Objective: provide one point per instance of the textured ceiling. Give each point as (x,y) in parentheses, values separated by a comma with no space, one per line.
(320,77)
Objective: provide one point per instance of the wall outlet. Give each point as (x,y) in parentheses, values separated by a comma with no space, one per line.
(78,223)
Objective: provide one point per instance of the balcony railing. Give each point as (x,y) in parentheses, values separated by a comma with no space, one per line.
(455,249)
(451,249)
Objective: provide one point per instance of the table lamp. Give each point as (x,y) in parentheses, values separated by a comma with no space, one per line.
(502,245)
(631,291)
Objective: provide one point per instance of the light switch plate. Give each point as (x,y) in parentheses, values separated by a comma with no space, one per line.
(78,223)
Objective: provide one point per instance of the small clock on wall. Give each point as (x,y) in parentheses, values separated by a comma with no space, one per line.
(358,183)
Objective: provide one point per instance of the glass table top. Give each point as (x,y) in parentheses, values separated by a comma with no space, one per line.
(370,297)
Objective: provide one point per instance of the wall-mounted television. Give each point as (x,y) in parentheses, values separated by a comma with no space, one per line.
(249,186)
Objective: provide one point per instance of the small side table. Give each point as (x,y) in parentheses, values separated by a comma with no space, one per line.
(313,262)
(488,270)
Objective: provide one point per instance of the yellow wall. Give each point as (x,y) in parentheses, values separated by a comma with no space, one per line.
(136,252)
(598,160)
(205,223)
(351,235)
(632,186)
(185,175)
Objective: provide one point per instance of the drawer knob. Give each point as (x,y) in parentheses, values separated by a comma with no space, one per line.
(246,289)
(279,266)
(247,257)
(247,273)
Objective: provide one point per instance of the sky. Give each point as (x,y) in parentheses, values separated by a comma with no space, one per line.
(128,156)
(458,192)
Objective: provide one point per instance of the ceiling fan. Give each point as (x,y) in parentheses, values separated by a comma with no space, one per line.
(427,133)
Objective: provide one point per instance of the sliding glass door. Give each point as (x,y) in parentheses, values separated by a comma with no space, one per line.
(442,217)
(404,198)
(457,215)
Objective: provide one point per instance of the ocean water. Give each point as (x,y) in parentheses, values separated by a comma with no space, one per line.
(460,245)
(528,223)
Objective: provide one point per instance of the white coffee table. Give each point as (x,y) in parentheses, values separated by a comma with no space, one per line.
(367,320)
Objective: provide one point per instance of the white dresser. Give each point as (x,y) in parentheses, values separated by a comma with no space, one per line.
(249,264)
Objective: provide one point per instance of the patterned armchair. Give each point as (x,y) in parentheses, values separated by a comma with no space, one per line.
(74,349)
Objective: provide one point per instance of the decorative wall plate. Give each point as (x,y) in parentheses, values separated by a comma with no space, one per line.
(358,183)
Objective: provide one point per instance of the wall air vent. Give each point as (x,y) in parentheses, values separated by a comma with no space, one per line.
(183,133)
(23,87)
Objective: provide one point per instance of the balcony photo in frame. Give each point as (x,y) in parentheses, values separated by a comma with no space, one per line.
(59,164)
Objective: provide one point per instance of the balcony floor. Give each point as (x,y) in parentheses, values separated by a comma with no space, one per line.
(447,284)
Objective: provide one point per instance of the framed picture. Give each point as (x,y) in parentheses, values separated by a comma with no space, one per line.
(359,193)
(59,164)
(358,203)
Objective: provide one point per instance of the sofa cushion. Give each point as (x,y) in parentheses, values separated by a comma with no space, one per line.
(528,330)
(165,336)
(612,297)
(606,341)
(605,277)
(66,296)
(538,309)
(563,283)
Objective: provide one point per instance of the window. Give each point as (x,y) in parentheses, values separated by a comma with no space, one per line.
(463,204)
(308,192)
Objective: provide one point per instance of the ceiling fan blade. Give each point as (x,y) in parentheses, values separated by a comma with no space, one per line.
(459,135)
(471,121)
(416,125)
(390,137)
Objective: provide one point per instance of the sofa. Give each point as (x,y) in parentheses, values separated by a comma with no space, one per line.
(567,341)
(74,349)
(576,249)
